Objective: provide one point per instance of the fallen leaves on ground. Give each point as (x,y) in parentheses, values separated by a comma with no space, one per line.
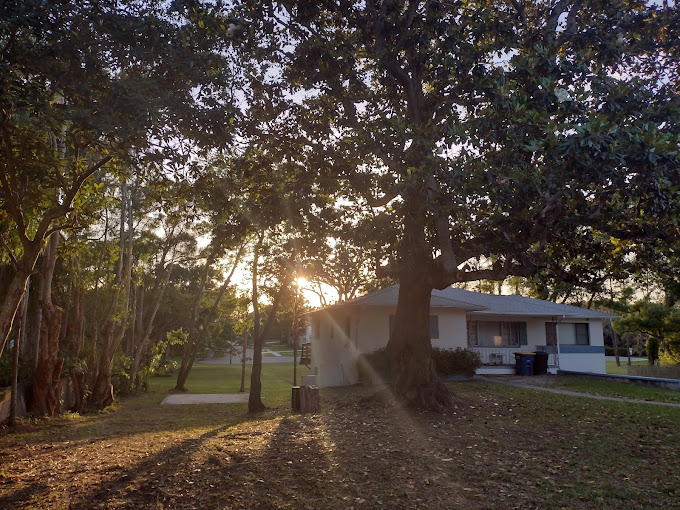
(498,447)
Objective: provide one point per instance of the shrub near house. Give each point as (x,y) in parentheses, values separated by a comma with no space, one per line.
(374,367)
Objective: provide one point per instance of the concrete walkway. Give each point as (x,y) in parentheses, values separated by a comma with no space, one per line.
(519,382)
(206,398)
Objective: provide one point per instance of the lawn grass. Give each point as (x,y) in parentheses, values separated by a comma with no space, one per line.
(498,447)
(613,368)
(277,379)
(613,389)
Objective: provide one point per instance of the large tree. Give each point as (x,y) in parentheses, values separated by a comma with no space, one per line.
(85,85)
(495,133)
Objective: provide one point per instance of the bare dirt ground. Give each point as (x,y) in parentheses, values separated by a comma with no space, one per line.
(500,447)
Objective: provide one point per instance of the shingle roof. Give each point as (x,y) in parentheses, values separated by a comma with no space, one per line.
(479,304)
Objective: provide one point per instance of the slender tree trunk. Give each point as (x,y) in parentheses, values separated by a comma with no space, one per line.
(47,376)
(114,331)
(243,360)
(615,342)
(260,333)
(191,346)
(18,333)
(15,292)
(24,317)
(144,341)
(409,349)
(193,342)
(76,332)
(255,396)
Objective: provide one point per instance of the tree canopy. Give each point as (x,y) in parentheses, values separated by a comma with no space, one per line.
(523,136)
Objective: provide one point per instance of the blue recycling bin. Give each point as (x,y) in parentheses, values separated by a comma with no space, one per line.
(524,363)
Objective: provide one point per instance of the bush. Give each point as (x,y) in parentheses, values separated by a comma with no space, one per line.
(456,362)
(374,367)
(120,375)
(166,368)
(25,368)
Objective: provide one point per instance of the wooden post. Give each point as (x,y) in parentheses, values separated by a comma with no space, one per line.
(309,399)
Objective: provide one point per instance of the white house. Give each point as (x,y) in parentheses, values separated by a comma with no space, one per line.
(494,326)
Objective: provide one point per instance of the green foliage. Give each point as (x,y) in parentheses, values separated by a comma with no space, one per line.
(177,336)
(25,369)
(458,361)
(120,375)
(660,323)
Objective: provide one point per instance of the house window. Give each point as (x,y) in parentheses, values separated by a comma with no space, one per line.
(573,333)
(550,333)
(497,333)
(316,328)
(434,326)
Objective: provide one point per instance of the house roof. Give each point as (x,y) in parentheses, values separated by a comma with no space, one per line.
(389,296)
(519,305)
(478,304)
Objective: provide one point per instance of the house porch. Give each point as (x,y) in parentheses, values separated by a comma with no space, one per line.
(501,360)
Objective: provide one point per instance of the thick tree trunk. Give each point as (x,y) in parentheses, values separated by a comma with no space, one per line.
(47,376)
(409,349)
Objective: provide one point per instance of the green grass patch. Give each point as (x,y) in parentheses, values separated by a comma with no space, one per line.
(613,368)
(277,379)
(614,389)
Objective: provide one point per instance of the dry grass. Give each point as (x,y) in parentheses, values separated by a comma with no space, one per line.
(501,447)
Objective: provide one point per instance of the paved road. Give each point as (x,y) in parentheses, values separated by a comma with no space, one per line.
(519,382)
(268,356)
(623,359)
